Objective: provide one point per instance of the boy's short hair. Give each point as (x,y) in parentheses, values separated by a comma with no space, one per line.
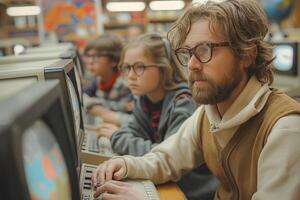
(108,44)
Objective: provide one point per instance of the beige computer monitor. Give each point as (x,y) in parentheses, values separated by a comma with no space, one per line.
(47,70)
(25,69)
(9,87)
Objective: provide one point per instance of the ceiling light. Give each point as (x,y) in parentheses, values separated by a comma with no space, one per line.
(23,11)
(125,6)
(167,5)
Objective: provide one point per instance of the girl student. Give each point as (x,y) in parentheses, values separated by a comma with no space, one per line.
(163,103)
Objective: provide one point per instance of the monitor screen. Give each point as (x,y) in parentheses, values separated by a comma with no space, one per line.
(44,165)
(75,105)
(285,62)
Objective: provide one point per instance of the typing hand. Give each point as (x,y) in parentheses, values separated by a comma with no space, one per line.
(106,130)
(96,110)
(117,190)
(108,170)
(107,115)
(111,116)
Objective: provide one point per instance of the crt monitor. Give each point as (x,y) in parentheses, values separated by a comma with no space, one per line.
(72,73)
(62,70)
(69,54)
(285,62)
(67,51)
(63,48)
(34,150)
(286,65)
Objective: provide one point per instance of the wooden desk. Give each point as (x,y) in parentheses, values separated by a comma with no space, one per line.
(170,191)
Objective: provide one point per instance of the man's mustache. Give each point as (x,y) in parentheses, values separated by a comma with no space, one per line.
(196,76)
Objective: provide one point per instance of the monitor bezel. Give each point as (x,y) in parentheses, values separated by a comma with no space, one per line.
(53,72)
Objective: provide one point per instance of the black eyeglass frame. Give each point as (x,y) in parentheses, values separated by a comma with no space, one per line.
(192,51)
(144,66)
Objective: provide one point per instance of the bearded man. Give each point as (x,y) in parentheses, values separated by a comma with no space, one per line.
(247,133)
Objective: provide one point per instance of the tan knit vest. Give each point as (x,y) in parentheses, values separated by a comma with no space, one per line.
(236,164)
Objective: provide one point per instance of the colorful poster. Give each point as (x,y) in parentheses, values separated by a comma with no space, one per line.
(70,20)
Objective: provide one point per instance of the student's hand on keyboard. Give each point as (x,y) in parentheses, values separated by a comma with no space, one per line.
(106,130)
(117,190)
(108,170)
(97,110)
(107,115)
(111,117)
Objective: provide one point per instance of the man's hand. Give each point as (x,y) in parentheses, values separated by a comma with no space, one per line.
(108,170)
(117,190)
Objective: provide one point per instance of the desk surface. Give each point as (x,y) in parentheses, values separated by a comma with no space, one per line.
(170,191)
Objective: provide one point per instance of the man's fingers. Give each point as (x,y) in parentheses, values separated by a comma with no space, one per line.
(119,174)
(102,173)
(107,196)
(98,176)
(109,173)
(108,187)
(95,176)
(120,183)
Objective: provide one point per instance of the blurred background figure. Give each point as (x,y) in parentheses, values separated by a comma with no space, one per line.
(107,96)
(133,32)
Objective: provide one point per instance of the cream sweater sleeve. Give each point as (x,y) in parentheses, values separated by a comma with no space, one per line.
(172,158)
(278,174)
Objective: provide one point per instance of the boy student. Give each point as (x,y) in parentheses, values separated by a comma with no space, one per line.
(247,133)
(109,90)
(163,103)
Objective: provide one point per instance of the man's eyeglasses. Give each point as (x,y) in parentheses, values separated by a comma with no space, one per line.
(138,68)
(203,52)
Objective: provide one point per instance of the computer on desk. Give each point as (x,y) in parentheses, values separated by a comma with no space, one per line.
(287,67)
(68,54)
(63,70)
(35,154)
(86,146)
(62,48)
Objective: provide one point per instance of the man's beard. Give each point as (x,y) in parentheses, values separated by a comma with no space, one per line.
(211,92)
